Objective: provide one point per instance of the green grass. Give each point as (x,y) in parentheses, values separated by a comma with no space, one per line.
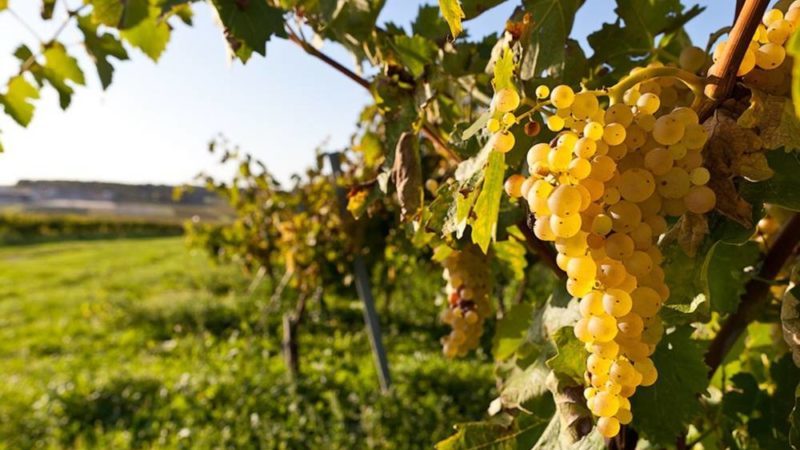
(144,344)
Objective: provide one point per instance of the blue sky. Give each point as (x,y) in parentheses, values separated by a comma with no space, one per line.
(154,122)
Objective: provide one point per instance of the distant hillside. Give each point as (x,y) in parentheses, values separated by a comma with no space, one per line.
(115,192)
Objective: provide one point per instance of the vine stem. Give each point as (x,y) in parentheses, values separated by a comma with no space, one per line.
(429,131)
(721,76)
(694,82)
(756,294)
(544,251)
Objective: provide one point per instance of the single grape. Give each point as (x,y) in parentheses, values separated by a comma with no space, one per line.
(503,141)
(555,123)
(542,230)
(566,226)
(636,185)
(584,105)
(562,96)
(617,302)
(699,176)
(608,427)
(585,147)
(700,199)
(619,246)
(493,125)
(619,113)
(614,134)
(579,168)
(542,91)
(668,130)
(538,153)
(772,16)
(648,103)
(506,100)
(605,405)
(565,200)
(674,184)
(658,161)
(630,325)
(509,119)
(692,59)
(513,185)
(770,56)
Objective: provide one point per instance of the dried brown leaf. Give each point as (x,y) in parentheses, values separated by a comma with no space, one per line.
(691,230)
(407,174)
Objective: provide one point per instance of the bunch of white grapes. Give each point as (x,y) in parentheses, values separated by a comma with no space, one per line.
(601,191)
(767,49)
(468,305)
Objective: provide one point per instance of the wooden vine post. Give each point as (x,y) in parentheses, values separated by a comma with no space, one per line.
(364,290)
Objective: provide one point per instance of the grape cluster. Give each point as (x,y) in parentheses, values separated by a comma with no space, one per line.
(467,300)
(601,191)
(766,50)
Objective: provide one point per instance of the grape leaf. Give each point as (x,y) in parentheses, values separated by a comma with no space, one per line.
(487,207)
(415,52)
(504,71)
(775,120)
(16,100)
(783,189)
(790,321)
(723,275)
(793,48)
(664,409)
(524,385)
(686,302)
(495,434)
(100,47)
(60,67)
(511,254)
(794,421)
(623,46)
(150,36)
(551,439)
(429,23)
(545,41)
(452,13)
(570,356)
(47,9)
(251,21)
(511,331)
(119,14)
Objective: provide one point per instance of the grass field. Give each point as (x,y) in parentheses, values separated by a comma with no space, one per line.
(144,344)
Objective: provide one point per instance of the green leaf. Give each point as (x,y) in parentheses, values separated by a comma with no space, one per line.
(511,331)
(487,207)
(622,46)
(60,67)
(511,253)
(150,35)
(251,21)
(790,320)
(664,409)
(47,9)
(544,43)
(687,301)
(414,52)
(552,439)
(494,434)
(119,14)
(429,23)
(452,13)
(794,421)
(783,189)
(16,100)
(723,273)
(504,71)
(100,47)
(571,356)
(474,8)
(793,48)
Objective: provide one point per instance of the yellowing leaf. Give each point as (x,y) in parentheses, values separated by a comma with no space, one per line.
(793,48)
(452,13)
(3,4)
(487,207)
(774,119)
(504,70)
(150,35)
(16,100)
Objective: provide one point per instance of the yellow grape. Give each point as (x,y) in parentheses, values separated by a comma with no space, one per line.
(699,176)
(591,304)
(585,147)
(636,185)
(602,328)
(503,141)
(611,273)
(625,216)
(772,16)
(542,230)
(582,267)
(537,153)
(700,199)
(608,427)
(584,105)
(554,123)
(603,168)
(648,103)
(566,226)
(542,92)
(692,59)
(562,96)
(674,184)
(608,350)
(624,416)
(508,119)
(619,246)
(506,100)
(513,185)
(597,364)
(617,302)
(639,264)
(579,287)
(605,405)
(614,134)
(619,113)
(581,330)
(648,371)
(593,130)
(493,125)
(558,159)
(630,325)
(579,168)
(770,56)
(658,161)
(631,96)
(601,224)
(668,130)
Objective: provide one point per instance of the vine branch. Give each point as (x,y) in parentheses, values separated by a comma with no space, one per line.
(544,251)
(756,295)
(721,76)
(427,129)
